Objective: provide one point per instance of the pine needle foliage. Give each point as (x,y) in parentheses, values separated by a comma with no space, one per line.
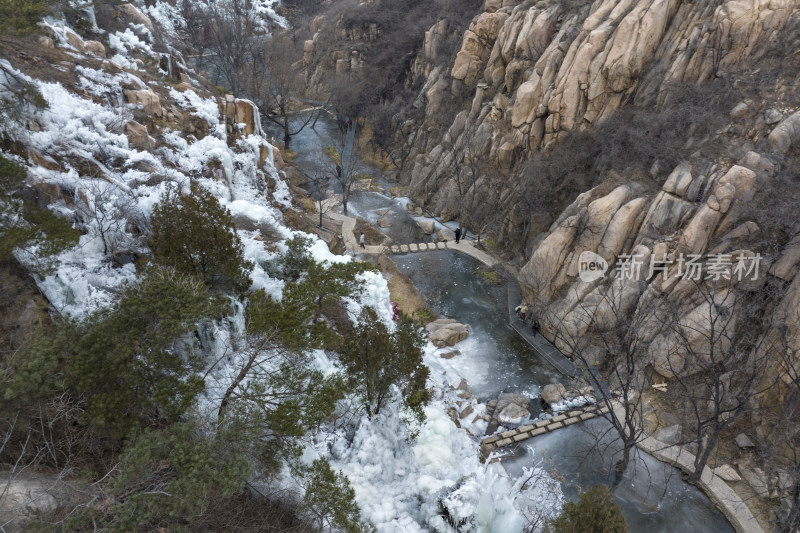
(310,288)
(168,478)
(25,225)
(331,500)
(19,17)
(131,363)
(195,235)
(595,512)
(377,360)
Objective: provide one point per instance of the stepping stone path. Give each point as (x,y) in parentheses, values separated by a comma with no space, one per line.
(521,434)
(351,241)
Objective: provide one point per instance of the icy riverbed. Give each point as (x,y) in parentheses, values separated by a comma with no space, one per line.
(494,359)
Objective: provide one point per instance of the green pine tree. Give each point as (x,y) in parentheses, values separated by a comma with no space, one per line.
(195,234)
(167,478)
(330,498)
(25,225)
(18,17)
(595,512)
(310,288)
(130,363)
(376,360)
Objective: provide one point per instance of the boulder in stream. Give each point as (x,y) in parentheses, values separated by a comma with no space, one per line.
(427,226)
(445,234)
(446,332)
(414,209)
(512,415)
(553,393)
(511,409)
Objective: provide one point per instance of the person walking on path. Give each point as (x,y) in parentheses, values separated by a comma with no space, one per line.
(458,235)
(361,240)
(535,327)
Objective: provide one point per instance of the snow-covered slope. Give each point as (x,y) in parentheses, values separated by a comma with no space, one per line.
(114,135)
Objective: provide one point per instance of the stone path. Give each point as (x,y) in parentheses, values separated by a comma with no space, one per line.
(521,434)
(463,246)
(718,491)
(351,241)
(540,345)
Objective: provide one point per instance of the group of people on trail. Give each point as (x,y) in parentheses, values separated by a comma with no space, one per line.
(522,311)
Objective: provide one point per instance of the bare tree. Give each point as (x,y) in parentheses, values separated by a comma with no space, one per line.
(469,171)
(235,34)
(109,212)
(196,28)
(608,340)
(386,118)
(275,80)
(343,166)
(318,182)
(780,411)
(717,353)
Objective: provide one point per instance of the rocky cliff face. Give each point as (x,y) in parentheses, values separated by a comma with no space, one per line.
(532,72)
(535,70)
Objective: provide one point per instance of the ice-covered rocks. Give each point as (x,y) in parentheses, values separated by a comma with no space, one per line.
(449,354)
(446,332)
(508,410)
(513,414)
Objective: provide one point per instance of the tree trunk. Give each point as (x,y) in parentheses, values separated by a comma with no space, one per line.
(792,522)
(227,396)
(287,138)
(622,465)
(702,456)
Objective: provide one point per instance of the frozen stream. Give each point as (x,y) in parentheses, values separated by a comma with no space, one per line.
(495,359)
